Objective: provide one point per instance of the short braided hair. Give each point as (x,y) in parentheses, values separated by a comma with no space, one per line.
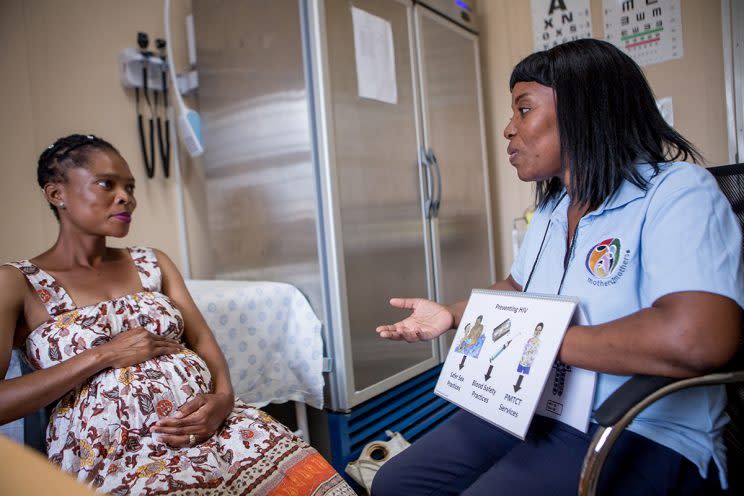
(64,154)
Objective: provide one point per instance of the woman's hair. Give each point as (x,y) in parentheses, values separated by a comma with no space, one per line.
(607,119)
(64,154)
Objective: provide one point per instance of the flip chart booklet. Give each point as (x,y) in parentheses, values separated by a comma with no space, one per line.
(502,365)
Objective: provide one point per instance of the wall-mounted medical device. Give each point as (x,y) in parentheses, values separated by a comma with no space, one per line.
(151,72)
(131,61)
(146,72)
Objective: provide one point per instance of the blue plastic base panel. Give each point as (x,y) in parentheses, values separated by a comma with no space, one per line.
(410,408)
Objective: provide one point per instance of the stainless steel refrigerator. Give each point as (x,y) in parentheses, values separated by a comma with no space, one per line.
(351,199)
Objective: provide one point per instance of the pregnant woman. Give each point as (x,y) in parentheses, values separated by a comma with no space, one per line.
(145,401)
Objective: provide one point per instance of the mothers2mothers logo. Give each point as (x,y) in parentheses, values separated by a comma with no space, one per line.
(604,262)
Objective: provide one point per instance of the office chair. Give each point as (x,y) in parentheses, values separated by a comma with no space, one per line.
(640,391)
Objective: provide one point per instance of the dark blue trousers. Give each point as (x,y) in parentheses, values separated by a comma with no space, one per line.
(466,455)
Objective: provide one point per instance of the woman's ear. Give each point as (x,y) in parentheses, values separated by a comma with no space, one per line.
(54,193)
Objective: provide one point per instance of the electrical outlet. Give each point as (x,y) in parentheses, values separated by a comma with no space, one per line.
(667,111)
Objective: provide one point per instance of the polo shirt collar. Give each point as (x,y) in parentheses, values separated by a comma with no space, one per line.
(626,193)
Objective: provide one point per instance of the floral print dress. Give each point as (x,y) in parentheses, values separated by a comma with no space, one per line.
(100,431)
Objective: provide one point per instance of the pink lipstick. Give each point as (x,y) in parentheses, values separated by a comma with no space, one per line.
(124,217)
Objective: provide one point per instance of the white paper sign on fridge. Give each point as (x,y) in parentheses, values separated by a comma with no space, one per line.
(375,57)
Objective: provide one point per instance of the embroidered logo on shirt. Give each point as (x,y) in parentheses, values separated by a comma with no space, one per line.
(603,258)
(604,261)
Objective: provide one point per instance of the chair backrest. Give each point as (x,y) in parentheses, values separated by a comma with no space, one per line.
(731,181)
(31,429)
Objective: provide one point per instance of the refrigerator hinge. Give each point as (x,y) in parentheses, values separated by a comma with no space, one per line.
(327,364)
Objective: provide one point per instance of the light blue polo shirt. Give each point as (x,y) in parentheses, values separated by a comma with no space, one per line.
(678,235)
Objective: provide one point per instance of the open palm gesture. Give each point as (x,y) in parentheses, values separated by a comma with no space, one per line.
(427,321)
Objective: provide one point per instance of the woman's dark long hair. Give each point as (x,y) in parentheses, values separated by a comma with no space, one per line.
(607,119)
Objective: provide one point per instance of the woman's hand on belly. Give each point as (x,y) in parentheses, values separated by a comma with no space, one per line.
(135,346)
(200,417)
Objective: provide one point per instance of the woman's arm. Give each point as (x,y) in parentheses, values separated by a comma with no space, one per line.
(23,395)
(26,394)
(681,335)
(690,262)
(203,415)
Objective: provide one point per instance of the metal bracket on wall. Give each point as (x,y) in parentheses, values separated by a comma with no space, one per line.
(130,67)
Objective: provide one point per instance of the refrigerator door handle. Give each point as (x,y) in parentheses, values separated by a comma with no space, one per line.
(437,200)
(429,202)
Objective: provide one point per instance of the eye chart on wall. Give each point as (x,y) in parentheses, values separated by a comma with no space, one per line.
(558,21)
(650,31)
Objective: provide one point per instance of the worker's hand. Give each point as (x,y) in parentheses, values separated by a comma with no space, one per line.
(427,321)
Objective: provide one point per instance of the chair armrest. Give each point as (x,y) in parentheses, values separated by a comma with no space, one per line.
(621,407)
(628,395)
(639,387)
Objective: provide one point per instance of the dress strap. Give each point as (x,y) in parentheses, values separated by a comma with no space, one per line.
(55,298)
(147,267)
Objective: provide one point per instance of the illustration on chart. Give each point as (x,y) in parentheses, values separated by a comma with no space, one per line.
(472,342)
(510,342)
(503,347)
(501,330)
(528,356)
(530,351)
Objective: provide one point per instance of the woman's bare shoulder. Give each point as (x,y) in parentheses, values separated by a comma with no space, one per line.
(163,259)
(172,278)
(158,252)
(13,287)
(10,276)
